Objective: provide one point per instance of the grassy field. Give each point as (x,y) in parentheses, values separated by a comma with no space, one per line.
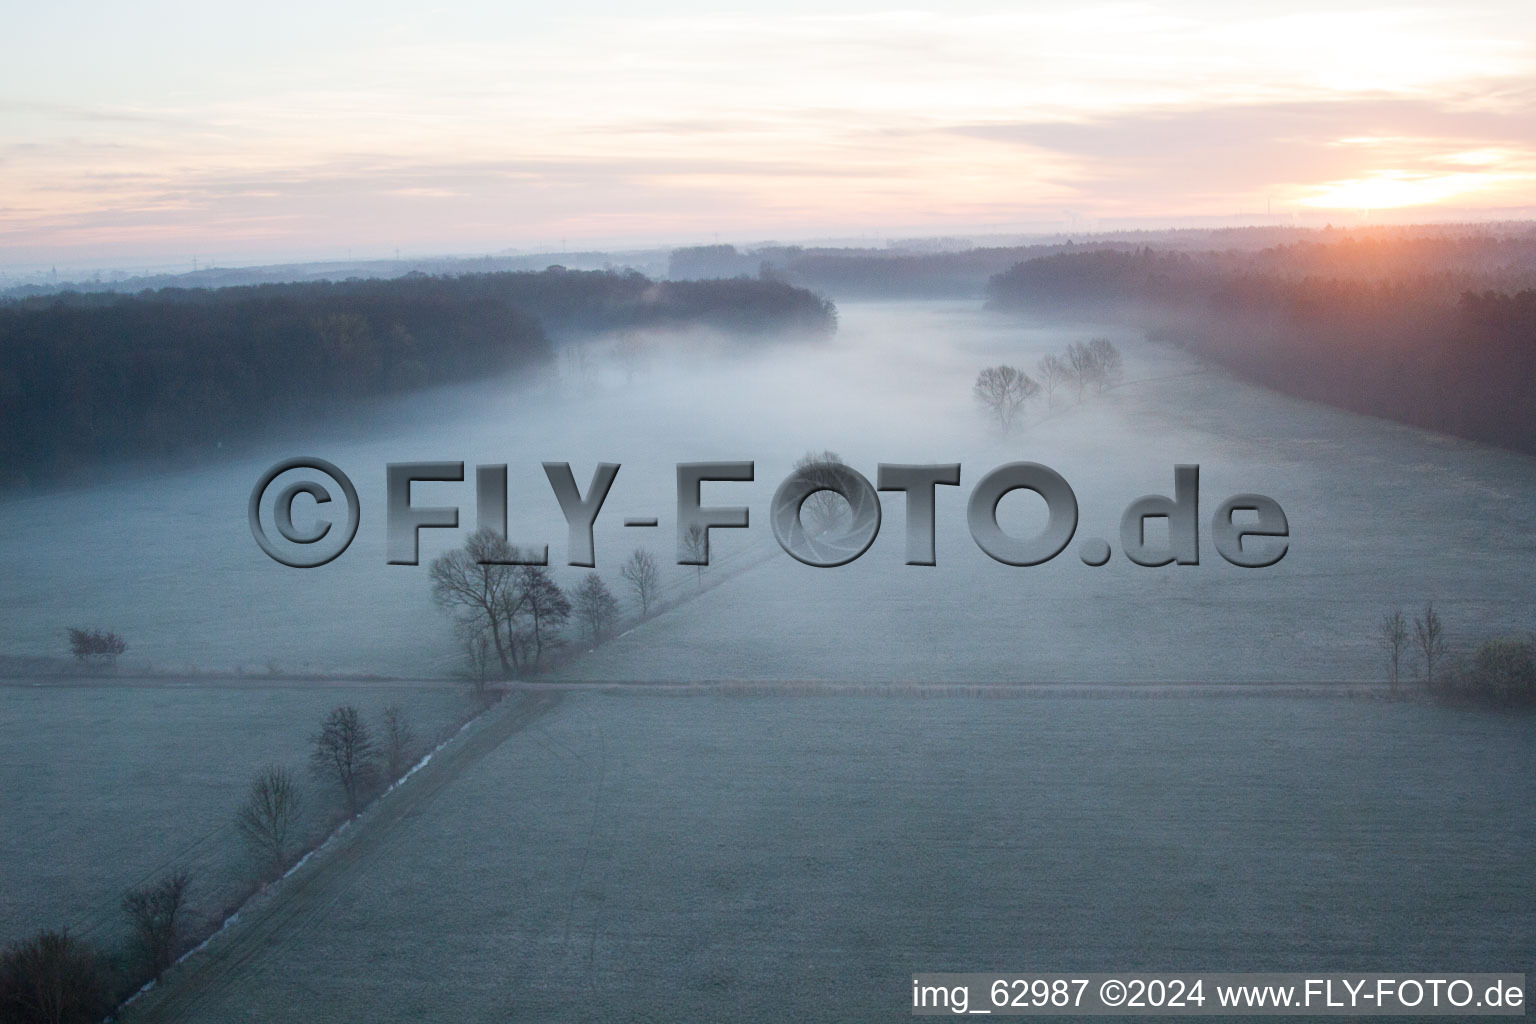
(643,857)
(110,785)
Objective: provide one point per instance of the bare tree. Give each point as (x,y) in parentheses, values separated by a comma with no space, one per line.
(825,509)
(696,550)
(1429,633)
(474,638)
(595,606)
(1082,366)
(1002,391)
(399,741)
(154,913)
(1393,638)
(478,582)
(1054,375)
(643,577)
(538,608)
(500,599)
(53,977)
(269,817)
(1108,367)
(345,754)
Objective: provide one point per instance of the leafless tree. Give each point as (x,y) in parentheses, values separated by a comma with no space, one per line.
(477,584)
(154,913)
(346,754)
(643,577)
(696,550)
(53,977)
(399,741)
(825,509)
(537,608)
(1002,391)
(474,638)
(595,606)
(1081,367)
(269,818)
(1393,637)
(1054,375)
(1108,367)
(1429,634)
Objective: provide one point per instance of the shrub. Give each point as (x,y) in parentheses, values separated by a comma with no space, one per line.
(1504,671)
(53,978)
(96,645)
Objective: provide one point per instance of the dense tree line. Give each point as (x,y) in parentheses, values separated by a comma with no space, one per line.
(1438,332)
(861,273)
(952,268)
(88,378)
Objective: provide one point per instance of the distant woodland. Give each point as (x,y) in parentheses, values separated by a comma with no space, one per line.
(1439,332)
(953,268)
(89,378)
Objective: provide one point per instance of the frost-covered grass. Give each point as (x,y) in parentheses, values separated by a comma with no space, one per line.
(1381,514)
(111,785)
(641,857)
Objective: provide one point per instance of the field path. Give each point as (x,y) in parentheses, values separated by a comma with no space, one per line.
(282,914)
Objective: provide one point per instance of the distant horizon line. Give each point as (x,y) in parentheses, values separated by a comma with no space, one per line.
(159,263)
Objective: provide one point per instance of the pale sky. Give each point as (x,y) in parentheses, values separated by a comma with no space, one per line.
(159,130)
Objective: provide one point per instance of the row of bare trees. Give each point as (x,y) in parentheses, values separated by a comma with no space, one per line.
(509,615)
(1427,638)
(1004,391)
(55,976)
(347,754)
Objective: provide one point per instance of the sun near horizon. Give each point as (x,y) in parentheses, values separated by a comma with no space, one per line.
(166,132)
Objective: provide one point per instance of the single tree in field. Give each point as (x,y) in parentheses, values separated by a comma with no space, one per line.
(1054,375)
(53,977)
(154,914)
(825,509)
(399,741)
(1002,391)
(269,818)
(595,606)
(1393,637)
(479,584)
(643,577)
(1429,634)
(345,754)
(1108,367)
(696,550)
(539,608)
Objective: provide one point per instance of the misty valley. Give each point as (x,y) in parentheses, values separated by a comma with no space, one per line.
(1271,711)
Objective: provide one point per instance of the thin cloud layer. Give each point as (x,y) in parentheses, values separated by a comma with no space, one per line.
(473,129)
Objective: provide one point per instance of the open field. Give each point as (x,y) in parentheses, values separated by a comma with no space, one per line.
(1380,515)
(773,855)
(643,857)
(110,784)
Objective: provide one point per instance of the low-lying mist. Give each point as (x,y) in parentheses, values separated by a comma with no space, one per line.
(1380,515)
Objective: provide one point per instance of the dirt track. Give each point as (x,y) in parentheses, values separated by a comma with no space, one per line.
(281,915)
